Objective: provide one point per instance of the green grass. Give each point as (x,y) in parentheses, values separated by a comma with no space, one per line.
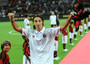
(16,52)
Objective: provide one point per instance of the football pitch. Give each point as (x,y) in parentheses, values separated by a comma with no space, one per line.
(16,53)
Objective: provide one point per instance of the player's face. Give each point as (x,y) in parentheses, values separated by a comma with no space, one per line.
(52,13)
(6,48)
(38,22)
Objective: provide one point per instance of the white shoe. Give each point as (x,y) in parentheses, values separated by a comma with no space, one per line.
(81,35)
(65,50)
(75,39)
(56,58)
(71,43)
(86,32)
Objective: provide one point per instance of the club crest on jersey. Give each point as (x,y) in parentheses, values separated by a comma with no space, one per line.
(44,35)
(33,36)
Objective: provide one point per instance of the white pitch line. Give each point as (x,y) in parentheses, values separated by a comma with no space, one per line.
(12,32)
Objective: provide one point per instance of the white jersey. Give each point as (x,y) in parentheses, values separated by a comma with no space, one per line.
(25,60)
(53,19)
(26,21)
(41,44)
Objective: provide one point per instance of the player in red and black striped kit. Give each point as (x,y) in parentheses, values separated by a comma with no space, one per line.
(56,48)
(71,32)
(26,50)
(64,39)
(4,58)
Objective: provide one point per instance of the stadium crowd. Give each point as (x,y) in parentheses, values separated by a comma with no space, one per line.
(20,7)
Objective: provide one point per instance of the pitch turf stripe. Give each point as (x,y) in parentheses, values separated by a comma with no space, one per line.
(13,32)
(80,54)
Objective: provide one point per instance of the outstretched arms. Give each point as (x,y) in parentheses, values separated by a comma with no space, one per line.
(15,26)
(65,24)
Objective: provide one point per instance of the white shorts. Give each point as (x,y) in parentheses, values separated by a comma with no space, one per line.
(88,24)
(85,26)
(25,60)
(80,28)
(56,47)
(74,31)
(70,35)
(65,41)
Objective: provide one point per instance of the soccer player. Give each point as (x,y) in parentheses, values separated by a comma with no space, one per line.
(53,19)
(80,28)
(56,46)
(64,39)
(71,32)
(41,39)
(75,29)
(89,22)
(5,46)
(26,50)
(57,20)
(85,25)
(27,23)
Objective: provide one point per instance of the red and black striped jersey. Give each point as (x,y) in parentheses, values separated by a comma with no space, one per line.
(80,23)
(4,58)
(85,22)
(70,29)
(56,38)
(64,31)
(26,48)
(88,19)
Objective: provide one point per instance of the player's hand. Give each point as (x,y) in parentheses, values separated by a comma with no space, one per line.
(72,13)
(11,16)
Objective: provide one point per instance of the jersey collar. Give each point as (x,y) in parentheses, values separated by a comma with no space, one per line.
(40,31)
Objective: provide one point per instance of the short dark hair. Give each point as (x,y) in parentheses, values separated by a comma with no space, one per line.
(26,15)
(71,22)
(39,17)
(4,43)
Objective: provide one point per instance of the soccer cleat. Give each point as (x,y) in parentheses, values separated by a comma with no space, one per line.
(75,39)
(86,32)
(65,50)
(81,35)
(56,58)
(71,43)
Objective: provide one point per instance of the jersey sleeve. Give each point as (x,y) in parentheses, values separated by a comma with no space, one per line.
(55,31)
(26,32)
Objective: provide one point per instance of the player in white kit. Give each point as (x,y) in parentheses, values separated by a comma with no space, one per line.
(41,39)
(27,23)
(53,19)
(89,22)
(80,28)
(85,25)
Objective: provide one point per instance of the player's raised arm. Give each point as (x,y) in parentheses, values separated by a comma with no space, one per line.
(65,24)
(15,26)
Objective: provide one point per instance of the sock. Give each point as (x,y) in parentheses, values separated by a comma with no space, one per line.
(64,46)
(88,28)
(55,54)
(74,35)
(85,30)
(80,33)
(70,40)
